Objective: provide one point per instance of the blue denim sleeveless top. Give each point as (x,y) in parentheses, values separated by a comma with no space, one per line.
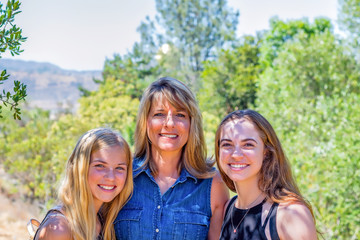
(182,212)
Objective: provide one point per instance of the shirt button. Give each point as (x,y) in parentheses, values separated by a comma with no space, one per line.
(159,207)
(157,230)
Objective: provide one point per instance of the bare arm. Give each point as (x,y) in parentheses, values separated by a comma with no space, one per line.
(55,228)
(219,197)
(295,222)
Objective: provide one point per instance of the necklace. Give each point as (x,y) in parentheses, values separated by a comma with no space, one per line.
(248,209)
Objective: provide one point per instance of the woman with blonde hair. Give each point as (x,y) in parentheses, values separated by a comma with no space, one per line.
(253,164)
(177,193)
(95,187)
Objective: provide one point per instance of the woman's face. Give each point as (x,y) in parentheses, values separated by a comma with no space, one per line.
(167,127)
(241,150)
(107,174)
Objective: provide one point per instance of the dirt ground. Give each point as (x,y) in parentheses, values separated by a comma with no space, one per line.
(14,212)
(14,215)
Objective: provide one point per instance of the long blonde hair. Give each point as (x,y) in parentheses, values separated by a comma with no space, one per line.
(181,97)
(75,194)
(275,176)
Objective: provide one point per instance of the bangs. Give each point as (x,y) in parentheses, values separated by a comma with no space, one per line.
(173,98)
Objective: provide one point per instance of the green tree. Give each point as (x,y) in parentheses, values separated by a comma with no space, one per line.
(349,16)
(25,152)
(282,31)
(111,106)
(310,94)
(34,151)
(11,39)
(349,21)
(193,31)
(229,83)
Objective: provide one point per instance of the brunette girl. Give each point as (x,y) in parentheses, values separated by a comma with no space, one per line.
(252,163)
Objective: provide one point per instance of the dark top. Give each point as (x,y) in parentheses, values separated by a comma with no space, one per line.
(250,228)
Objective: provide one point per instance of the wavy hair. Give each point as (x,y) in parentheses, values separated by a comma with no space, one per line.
(75,194)
(180,96)
(275,176)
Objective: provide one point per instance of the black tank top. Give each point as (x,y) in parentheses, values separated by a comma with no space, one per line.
(250,228)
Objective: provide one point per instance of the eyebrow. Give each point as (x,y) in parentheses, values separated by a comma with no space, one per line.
(162,109)
(243,140)
(101,161)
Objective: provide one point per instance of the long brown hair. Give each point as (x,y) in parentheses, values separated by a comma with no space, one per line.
(181,97)
(275,177)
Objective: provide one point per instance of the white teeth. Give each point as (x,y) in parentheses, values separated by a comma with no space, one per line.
(107,187)
(169,135)
(238,165)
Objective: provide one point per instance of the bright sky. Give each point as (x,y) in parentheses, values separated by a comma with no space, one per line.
(81,34)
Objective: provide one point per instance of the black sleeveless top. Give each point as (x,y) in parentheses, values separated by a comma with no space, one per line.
(250,228)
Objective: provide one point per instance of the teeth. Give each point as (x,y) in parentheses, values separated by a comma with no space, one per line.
(107,187)
(238,165)
(169,135)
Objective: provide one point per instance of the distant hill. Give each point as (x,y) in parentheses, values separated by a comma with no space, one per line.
(48,86)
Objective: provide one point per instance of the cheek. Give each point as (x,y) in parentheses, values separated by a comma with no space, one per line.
(223,155)
(121,178)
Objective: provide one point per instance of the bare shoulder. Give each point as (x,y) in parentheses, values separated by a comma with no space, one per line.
(56,227)
(219,197)
(294,221)
(219,191)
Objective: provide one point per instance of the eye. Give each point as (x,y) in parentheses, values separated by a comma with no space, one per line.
(182,115)
(121,168)
(158,114)
(249,145)
(99,165)
(225,144)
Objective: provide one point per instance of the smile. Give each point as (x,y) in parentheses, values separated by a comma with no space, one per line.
(107,187)
(238,166)
(169,135)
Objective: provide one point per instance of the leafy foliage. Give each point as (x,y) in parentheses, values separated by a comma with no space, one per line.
(280,32)
(11,39)
(349,16)
(309,95)
(194,30)
(229,83)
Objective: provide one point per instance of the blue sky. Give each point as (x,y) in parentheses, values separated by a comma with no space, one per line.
(81,34)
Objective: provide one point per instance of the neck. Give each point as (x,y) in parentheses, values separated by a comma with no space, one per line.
(166,162)
(167,168)
(249,195)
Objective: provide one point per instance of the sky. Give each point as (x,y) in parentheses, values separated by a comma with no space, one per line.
(82,34)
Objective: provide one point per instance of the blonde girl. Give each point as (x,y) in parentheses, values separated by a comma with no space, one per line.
(97,183)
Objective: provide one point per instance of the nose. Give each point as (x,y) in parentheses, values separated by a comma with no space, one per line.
(169,121)
(110,175)
(237,153)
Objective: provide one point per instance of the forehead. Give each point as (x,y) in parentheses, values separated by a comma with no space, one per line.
(239,128)
(161,101)
(111,154)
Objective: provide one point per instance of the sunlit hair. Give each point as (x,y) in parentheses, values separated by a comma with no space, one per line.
(180,97)
(75,194)
(275,176)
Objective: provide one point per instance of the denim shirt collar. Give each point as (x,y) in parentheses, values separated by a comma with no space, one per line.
(184,174)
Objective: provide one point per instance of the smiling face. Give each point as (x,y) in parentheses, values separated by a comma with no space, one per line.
(107,174)
(241,150)
(167,127)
